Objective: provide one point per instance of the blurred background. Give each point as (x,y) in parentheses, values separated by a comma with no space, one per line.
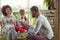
(46,7)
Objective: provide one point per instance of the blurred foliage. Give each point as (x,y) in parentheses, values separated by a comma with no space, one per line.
(48,2)
(21,36)
(16,14)
(3,37)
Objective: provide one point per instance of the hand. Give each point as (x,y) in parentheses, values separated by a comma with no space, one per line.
(25,24)
(20,21)
(12,21)
(0,22)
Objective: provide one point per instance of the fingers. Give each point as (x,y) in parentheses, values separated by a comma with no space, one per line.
(12,21)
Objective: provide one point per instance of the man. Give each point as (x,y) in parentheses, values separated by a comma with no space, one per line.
(41,21)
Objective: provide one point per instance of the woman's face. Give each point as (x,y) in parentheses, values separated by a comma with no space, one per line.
(8,11)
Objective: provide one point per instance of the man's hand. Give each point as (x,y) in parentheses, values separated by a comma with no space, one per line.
(25,24)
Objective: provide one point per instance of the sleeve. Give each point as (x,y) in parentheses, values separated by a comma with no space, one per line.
(35,30)
(48,27)
(4,20)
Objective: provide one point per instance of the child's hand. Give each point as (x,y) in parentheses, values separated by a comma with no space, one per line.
(25,24)
(20,21)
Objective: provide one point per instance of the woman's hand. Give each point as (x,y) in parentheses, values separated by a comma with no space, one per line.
(12,21)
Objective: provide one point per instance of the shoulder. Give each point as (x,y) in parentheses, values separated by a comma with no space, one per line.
(3,17)
(42,18)
(12,16)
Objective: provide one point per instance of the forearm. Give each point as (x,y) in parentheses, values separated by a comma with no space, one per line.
(26,26)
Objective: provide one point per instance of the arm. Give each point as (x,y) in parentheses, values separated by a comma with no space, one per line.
(25,24)
(49,28)
(34,31)
(13,19)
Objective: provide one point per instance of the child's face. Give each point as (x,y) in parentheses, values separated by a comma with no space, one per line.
(22,12)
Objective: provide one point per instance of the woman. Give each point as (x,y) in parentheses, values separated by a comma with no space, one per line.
(8,22)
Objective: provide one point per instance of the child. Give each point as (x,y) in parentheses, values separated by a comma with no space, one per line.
(20,27)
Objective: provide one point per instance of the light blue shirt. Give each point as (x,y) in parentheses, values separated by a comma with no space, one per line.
(41,20)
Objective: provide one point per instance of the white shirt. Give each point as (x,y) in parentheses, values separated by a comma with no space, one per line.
(41,20)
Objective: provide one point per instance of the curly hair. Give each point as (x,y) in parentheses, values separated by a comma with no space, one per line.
(4,9)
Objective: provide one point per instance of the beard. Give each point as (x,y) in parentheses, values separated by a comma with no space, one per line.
(33,16)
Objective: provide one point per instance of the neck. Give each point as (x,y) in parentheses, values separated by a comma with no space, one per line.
(8,16)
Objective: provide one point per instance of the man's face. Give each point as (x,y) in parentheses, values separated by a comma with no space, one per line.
(33,13)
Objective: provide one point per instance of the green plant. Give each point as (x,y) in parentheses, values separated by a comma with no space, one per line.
(48,3)
(16,14)
(21,36)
